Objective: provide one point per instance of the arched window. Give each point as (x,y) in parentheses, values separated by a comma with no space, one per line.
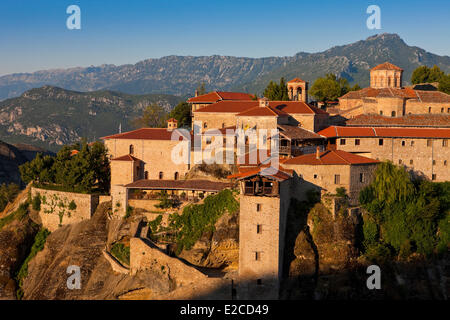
(131,149)
(205,125)
(393,114)
(381,112)
(146,175)
(161,175)
(299,93)
(175,177)
(389,81)
(429,109)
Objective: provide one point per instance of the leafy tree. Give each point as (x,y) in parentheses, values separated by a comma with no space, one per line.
(277,92)
(154,116)
(330,87)
(182,112)
(403,214)
(86,171)
(423,74)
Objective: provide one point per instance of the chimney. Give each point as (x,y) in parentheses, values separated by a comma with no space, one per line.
(172,124)
(263,102)
(196,93)
(318,153)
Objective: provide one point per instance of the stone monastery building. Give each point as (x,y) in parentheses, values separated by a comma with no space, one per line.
(313,154)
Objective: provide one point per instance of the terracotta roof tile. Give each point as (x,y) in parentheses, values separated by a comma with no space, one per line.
(296,80)
(386,66)
(410,120)
(149,134)
(229,106)
(293,132)
(263,112)
(127,157)
(335,131)
(215,96)
(280,174)
(330,157)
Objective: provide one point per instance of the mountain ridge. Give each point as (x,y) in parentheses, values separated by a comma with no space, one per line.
(180,75)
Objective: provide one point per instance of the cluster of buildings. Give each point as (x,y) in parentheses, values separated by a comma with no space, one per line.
(317,149)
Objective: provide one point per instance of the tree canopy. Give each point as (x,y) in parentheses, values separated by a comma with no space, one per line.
(87,171)
(424,74)
(277,92)
(182,112)
(405,215)
(330,87)
(153,116)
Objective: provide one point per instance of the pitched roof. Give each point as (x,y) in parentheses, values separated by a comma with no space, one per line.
(330,157)
(296,107)
(335,131)
(386,66)
(266,111)
(297,133)
(215,96)
(200,185)
(280,174)
(432,96)
(127,157)
(229,106)
(381,93)
(296,80)
(150,134)
(410,120)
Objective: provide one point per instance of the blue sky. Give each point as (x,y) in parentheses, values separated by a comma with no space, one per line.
(33,33)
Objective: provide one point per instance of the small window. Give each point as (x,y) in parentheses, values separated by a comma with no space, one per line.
(315,176)
(411,162)
(361,177)
(445,162)
(337,179)
(448,110)
(208,140)
(434,162)
(403,143)
(429,142)
(205,125)
(161,175)
(429,109)
(342,142)
(433,176)
(146,175)
(400,161)
(412,143)
(393,114)
(223,125)
(131,149)
(175,176)
(258,229)
(445,143)
(381,112)
(257,256)
(258,207)
(357,142)
(380,142)
(442,110)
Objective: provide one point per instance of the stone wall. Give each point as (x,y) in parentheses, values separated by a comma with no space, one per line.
(426,157)
(61,208)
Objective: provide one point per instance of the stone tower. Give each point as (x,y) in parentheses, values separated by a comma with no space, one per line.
(386,75)
(264,202)
(298,90)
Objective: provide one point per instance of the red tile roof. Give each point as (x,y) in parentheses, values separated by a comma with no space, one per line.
(296,80)
(149,134)
(127,157)
(410,120)
(280,174)
(215,96)
(263,112)
(335,131)
(229,106)
(386,66)
(200,185)
(330,157)
(381,93)
(290,107)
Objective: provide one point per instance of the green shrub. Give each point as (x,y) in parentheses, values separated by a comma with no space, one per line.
(121,252)
(199,218)
(378,253)
(38,245)
(341,192)
(36,202)
(128,212)
(155,224)
(19,214)
(72,205)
